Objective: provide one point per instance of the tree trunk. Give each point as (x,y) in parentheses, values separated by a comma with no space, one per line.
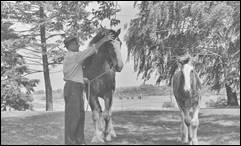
(48,87)
(232,96)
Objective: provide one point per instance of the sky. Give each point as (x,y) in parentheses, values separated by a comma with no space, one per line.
(127,77)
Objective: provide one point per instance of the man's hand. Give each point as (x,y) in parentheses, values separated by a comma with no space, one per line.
(86,80)
(106,38)
(116,43)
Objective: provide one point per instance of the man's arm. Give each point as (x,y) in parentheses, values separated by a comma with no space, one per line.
(86,53)
(92,49)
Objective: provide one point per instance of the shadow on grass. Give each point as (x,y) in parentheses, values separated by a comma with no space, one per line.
(43,129)
(132,127)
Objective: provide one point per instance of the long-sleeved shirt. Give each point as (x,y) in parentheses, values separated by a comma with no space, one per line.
(72,66)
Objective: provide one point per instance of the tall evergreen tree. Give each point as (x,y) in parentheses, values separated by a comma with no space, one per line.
(53,20)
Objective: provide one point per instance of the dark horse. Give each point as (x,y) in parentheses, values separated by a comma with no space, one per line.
(186,88)
(100,69)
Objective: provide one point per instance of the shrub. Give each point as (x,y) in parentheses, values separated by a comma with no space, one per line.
(13,98)
(220,102)
(168,105)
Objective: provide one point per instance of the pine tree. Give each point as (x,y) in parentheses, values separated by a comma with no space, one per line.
(54,20)
(13,71)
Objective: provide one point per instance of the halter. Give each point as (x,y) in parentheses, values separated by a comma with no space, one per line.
(90,81)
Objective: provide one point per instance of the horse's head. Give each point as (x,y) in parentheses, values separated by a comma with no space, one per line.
(111,53)
(186,65)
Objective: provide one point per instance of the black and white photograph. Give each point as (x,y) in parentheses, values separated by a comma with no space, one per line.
(120,72)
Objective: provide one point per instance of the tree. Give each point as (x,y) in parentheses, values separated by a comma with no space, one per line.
(13,72)
(156,37)
(165,30)
(54,20)
(223,23)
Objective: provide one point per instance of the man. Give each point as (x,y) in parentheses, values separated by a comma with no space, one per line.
(73,88)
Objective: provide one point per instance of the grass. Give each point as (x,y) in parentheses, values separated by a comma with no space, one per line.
(151,120)
(217,126)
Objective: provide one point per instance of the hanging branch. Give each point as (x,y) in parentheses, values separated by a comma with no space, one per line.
(35,51)
(53,35)
(31,57)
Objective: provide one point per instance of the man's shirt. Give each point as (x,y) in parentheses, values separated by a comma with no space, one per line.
(72,66)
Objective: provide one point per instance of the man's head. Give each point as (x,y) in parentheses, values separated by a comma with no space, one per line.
(71,43)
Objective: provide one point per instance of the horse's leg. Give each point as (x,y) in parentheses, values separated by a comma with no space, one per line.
(96,116)
(109,130)
(184,129)
(194,124)
(188,123)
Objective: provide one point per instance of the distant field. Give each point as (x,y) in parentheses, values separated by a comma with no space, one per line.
(145,90)
(153,98)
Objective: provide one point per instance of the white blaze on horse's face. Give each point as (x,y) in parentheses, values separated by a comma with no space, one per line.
(187,68)
(119,57)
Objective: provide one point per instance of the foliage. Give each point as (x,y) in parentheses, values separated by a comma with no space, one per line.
(224,41)
(152,34)
(165,30)
(61,19)
(12,73)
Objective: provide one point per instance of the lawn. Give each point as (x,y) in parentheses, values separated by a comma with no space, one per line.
(217,126)
(136,121)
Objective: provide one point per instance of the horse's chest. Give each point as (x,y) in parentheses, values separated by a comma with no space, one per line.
(102,86)
(187,100)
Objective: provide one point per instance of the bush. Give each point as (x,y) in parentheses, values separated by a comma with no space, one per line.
(13,98)
(39,92)
(13,71)
(220,102)
(168,105)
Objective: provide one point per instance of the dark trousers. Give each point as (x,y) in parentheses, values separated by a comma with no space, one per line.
(74,113)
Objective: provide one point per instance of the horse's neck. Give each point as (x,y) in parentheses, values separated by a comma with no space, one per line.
(97,66)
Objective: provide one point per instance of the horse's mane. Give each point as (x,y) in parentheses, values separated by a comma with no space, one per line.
(88,60)
(97,38)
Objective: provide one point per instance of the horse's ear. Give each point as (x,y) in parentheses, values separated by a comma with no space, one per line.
(179,65)
(118,32)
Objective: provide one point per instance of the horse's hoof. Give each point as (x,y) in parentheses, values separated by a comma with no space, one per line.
(96,139)
(184,140)
(108,138)
(190,143)
(112,133)
(195,142)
